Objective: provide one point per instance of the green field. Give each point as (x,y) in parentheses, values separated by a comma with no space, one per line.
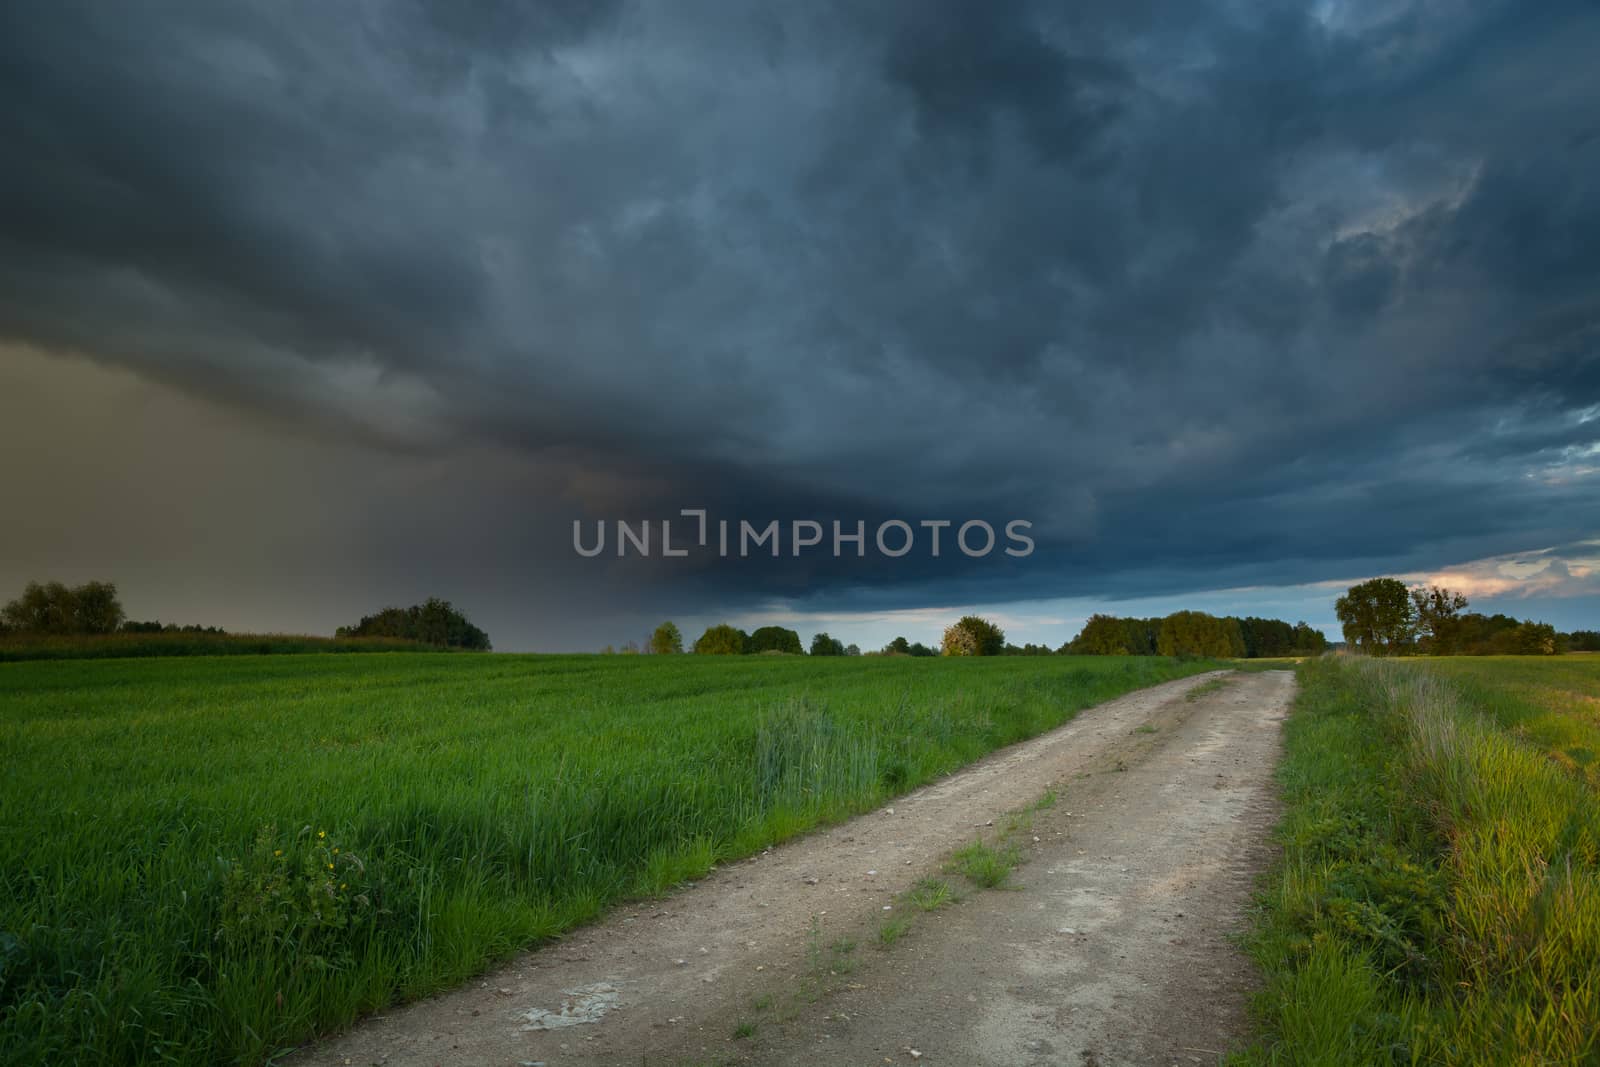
(1439,897)
(206,860)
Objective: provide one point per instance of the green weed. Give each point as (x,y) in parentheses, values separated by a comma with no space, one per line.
(893,929)
(985,865)
(931,894)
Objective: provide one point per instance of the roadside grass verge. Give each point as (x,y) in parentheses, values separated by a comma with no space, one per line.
(207,860)
(1438,900)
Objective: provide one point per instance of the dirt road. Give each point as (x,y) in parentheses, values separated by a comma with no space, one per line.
(1108,946)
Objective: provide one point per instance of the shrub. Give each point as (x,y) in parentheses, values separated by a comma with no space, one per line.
(824,645)
(434,622)
(775,639)
(974,636)
(721,640)
(667,640)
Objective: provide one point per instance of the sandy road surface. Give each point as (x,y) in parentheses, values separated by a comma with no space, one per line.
(1147,858)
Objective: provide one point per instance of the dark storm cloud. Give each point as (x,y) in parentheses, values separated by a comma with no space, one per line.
(1260,294)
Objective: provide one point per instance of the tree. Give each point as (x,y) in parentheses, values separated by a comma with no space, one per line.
(1377,616)
(96,609)
(1194,633)
(1267,638)
(823,645)
(852,650)
(775,639)
(52,608)
(1583,641)
(667,640)
(898,647)
(958,642)
(41,609)
(973,635)
(1438,619)
(1536,639)
(1102,635)
(1308,641)
(1487,635)
(434,622)
(721,640)
(919,649)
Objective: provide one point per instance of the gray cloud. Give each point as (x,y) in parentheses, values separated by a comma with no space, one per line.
(1253,295)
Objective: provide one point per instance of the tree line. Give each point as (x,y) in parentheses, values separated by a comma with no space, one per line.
(969,636)
(724,639)
(93,609)
(1195,633)
(1184,633)
(1385,617)
(57,609)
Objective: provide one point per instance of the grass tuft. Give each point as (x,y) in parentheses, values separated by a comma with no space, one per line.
(986,865)
(893,929)
(931,894)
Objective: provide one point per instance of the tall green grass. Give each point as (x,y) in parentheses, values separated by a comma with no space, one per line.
(1552,703)
(1439,895)
(207,860)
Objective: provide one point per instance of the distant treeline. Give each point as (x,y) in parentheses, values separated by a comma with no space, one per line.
(54,608)
(1186,633)
(1194,633)
(1385,617)
(1502,635)
(727,640)
(155,626)
(52,620)
(969,636)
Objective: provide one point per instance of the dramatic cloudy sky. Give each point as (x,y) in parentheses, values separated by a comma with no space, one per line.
(306,308)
